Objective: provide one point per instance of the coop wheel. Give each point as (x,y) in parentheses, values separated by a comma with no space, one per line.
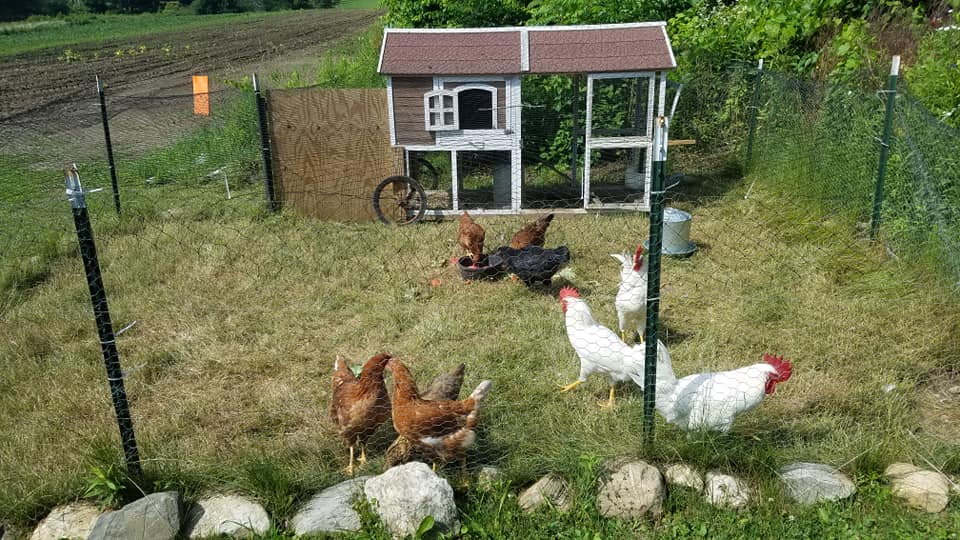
(400,200)
(425,172)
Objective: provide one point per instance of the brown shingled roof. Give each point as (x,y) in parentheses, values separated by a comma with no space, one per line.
(600,50)
(554,49)
(451,53)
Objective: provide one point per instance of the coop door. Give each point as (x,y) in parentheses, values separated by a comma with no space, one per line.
(618,158)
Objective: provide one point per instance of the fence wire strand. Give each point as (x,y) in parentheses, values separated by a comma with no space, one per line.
(243,312)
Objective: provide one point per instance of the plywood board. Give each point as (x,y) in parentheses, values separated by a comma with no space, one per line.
(331,147)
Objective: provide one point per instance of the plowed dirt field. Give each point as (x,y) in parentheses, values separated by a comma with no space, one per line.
(51,84)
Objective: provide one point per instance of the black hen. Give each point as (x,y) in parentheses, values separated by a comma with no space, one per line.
(534,264)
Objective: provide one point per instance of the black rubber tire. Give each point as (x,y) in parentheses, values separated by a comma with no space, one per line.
(427,174)
(406,202)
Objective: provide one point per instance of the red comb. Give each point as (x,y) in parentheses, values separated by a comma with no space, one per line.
(783,367)
(638,258)
(569,292)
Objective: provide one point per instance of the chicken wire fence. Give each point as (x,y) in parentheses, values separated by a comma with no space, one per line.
(244,316)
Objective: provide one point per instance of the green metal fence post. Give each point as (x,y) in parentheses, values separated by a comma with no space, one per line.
(884,146)
(106,138)
(271,194)
(754,105)
(653,279)
(101,312)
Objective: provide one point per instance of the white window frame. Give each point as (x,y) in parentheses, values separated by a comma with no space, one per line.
(440,110)
(493,102)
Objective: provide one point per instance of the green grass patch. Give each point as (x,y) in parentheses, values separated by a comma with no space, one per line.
(16,38)
(241,314)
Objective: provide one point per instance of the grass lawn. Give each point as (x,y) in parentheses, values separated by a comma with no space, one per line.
(241,313)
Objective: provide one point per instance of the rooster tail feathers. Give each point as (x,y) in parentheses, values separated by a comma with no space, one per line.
(460,439)
(481,391)
(341,368)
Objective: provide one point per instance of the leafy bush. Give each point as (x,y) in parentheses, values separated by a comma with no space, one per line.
(935,78)
(454,13)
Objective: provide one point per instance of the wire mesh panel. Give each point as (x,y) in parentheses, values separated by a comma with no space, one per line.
(275,345)
(923,201)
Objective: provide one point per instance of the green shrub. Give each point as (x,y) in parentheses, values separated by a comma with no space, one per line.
(935,78)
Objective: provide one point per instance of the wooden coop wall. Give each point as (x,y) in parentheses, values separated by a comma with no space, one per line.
(331,147)
(408,110)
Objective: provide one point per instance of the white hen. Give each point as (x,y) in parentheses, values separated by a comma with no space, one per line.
(600,350)
(631,302)
(711,401)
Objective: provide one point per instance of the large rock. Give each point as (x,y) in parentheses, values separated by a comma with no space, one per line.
(808,483)
(331,510)
(550,489)
(74,520)
(487,478)
(154,517)
(726,491)
(682,475)
(920,489)
(634,490)
(405,495)
(226,514)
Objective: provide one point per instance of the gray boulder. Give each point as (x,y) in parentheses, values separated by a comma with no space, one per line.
(918,488)
(682,475)
(550,489)
(331,510)
(634,490)
(487,477)
(405,495)
(808,483)
(154,517)
(74,520)
(726,491)
(226,514)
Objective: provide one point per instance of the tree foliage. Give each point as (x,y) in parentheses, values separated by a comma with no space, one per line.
(454,13)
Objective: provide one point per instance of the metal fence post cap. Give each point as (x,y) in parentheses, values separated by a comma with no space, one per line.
(74,188)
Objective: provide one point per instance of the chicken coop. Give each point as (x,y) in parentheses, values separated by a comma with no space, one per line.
(511,120)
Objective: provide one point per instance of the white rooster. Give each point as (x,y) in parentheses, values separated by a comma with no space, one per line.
(631,302)
(710,401)
(600,350)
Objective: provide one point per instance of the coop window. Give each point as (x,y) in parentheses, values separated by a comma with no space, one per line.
(441,110)
(476,107)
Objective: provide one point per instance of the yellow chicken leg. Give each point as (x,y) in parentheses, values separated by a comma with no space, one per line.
(362,460)
(349,469)
(609,404)
(571,386)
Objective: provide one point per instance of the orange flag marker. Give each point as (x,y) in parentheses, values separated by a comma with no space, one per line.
(201,95)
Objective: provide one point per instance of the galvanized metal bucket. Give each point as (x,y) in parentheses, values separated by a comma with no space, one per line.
(676,233)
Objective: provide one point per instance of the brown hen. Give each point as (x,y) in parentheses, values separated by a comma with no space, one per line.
(445,386)
(442,429)
(534,234)
(470,237)
(361,404)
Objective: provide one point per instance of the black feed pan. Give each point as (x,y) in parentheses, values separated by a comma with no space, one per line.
(489,267)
